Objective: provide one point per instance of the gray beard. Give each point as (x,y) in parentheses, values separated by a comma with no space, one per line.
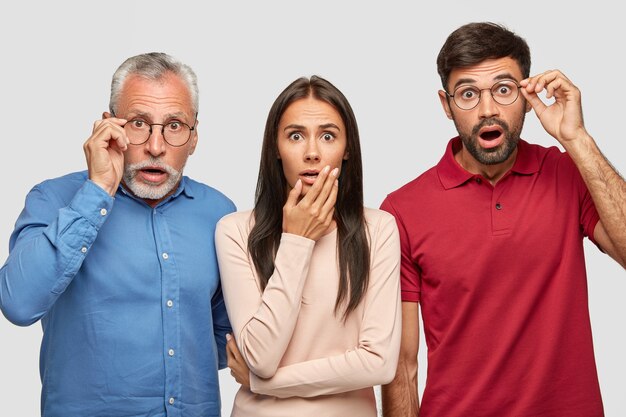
(148,191)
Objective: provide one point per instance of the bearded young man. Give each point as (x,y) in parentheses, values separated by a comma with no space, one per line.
(118,262)
(492,244)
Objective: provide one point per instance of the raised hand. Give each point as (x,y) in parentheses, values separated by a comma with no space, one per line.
(312,215)
(562,119)
(104,151)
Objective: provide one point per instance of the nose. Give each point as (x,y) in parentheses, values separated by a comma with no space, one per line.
(155,145)
(487,106)
(312,152)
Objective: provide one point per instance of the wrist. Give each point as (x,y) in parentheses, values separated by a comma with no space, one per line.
(580,144)
(106,187)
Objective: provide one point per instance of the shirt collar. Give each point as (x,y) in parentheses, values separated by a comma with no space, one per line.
(452,175)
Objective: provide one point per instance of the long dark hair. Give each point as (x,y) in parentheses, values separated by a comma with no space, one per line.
(271,194)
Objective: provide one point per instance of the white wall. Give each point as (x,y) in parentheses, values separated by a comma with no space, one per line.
(58,57)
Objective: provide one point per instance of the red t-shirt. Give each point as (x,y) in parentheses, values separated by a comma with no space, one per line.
(499,273)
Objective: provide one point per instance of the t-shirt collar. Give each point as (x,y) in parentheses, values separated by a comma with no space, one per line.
(452,174)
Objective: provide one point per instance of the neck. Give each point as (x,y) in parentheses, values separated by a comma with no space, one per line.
(149,201)
(492,173)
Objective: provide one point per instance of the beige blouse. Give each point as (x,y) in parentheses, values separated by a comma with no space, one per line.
(304,359)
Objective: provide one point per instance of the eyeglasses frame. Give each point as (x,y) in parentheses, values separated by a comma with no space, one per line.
(191,129)
(480,94)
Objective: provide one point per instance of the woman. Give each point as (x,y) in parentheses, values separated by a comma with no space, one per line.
(310,277)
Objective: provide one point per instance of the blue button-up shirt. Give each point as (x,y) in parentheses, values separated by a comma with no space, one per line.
(129,298)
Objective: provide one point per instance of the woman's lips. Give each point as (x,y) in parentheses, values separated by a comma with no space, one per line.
(309,177)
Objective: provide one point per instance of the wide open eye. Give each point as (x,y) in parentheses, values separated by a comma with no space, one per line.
(174,127)
(503,89)
(466,94)
(138,124)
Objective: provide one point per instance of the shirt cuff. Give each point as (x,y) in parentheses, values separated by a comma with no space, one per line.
(92,203)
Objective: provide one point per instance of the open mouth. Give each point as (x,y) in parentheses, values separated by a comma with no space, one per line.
(491,136)
(309,177)
(153,174)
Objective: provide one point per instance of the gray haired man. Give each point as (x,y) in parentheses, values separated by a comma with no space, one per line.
(118,261)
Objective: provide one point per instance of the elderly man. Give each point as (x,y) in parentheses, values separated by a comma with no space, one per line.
(119,262)
(492,244)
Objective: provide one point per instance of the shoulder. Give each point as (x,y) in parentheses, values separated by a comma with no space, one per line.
(73,179)
(380,223)
(413,192)
(205,193)
(424,180)
(61,188)
(237,223)
(376,216)
(552,160)
(544,155)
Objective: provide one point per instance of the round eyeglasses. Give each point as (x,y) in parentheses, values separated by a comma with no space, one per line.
(504,92)
(175,133)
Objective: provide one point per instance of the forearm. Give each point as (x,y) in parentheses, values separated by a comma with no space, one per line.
(606,187)
(356,369)
(400,398)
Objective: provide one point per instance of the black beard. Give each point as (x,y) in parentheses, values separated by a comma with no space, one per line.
(495,155)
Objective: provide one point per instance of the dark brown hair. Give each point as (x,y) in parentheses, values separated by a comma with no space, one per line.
(473,43)
(271,194)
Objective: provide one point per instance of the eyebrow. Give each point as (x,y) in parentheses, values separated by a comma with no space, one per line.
(330,126)
(301,127)
(504,76)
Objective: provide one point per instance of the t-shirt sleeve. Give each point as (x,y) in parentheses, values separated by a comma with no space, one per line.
(410,279)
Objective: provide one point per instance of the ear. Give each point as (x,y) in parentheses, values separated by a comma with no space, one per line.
(194,139)
(445,103)
(529,107)
(346,156)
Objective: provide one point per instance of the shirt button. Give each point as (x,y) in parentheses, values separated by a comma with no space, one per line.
(478,180)
(103,212)
(170,352)
(498,206)
(83,249)
(165,255)
(170,303)
(171,400)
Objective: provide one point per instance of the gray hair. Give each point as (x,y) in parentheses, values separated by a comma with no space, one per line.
(153,66)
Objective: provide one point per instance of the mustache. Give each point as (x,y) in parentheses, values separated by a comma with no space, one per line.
(152,162)
(490,122)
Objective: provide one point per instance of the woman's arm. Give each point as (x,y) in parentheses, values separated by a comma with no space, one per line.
(262,321)
(373,360)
